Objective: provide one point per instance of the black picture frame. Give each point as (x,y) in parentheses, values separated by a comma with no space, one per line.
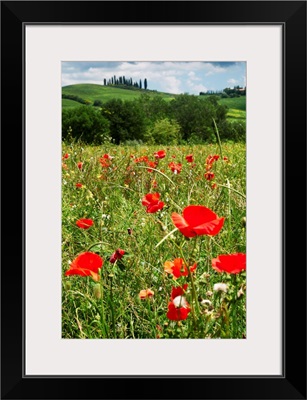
(292,16)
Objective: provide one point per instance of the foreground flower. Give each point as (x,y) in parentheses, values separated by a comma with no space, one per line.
(178,307)
(86,264)
(209,175)
(79,185)
(198,220)
(80,165)
(160,154)
(146,293)
(230,263)
(189,158)
(151,164)
(117,255)
(220,287)
(104,162)
(176,168)
(152,203)
(177,268)
(84,223)
(107,157)
(65,156)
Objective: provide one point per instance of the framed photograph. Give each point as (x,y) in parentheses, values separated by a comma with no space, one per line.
(161,153)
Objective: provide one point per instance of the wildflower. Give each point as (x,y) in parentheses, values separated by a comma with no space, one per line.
(86,264)
(178,307)
(79,185)
(177,268)
(152,203)
(80,165)
(84,223)
(230,263)
(107,157)
(189,158)
(209,175)
(104,162)
(141,159)
(151,164)
(117,255)
(160,154)
(198,220)
(220,287)
(214,186)
(65,156)
(146,293)
(176,168)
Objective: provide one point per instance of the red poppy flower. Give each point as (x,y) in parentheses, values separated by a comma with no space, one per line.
(209,175)
(178,307)
(151,164)
(189,158)
(104,162)
(198,220)
(79,185)
(117,255)
(80,165)
(86,264)
(152,203)
(177,268)
(146,293)
(107,157)
(84,223)
(141,159)
(64,166)
(65,156)
(176,168)
(160,154)
(230,263)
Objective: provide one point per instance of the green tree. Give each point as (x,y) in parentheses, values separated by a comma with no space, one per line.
(127,120)
(145,83)
(164,131)
(85,124)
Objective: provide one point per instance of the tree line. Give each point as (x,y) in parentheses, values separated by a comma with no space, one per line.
(152,120)
(236,91)
(123,81)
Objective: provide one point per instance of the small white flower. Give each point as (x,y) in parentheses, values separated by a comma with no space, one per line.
(180,301)
(204,302)
(220,287)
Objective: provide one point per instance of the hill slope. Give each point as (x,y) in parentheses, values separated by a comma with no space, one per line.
(92,92)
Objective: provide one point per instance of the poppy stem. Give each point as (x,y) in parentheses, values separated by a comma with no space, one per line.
(93,245)
(103,323)
(194,296)
(141,166)
(165,237)
(218,137)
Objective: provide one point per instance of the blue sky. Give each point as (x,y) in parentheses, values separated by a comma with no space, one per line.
(170,76)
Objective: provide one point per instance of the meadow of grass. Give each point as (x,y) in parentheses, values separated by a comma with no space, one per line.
(108,188)
(237,103)
(92,92)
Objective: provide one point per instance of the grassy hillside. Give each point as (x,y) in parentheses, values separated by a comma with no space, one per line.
(94,92)
(237,103)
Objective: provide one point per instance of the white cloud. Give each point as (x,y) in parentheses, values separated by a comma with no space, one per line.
(232,81)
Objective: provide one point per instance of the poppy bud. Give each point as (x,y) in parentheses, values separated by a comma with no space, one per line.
(97,291)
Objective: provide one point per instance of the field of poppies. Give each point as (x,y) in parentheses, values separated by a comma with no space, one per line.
(154,241)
